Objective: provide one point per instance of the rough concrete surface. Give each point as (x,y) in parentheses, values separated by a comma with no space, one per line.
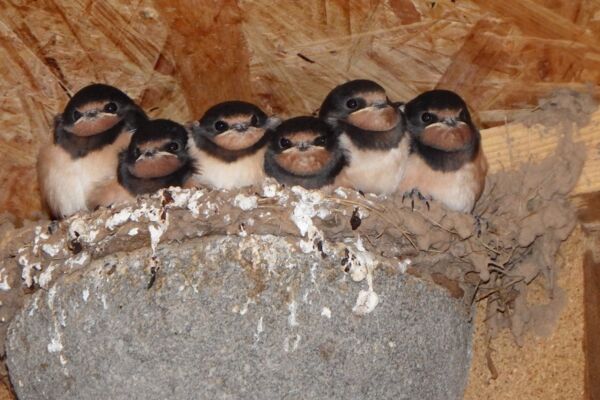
(232,317)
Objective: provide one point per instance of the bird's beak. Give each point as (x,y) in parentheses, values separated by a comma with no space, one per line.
(240,127)
(452,122)
(304,146)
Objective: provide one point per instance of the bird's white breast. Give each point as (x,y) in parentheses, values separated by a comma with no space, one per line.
(219,174)
(376,171)
(66,183)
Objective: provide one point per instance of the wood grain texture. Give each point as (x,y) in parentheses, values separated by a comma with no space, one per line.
(179,57)
(511,145)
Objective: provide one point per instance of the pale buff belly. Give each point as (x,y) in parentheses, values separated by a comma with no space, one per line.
(218,174)
(375,171)
(67,183)
(457,190)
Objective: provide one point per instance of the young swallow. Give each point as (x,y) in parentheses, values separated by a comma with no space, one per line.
(371,132)
(304,151)
(446,160)
(96,125)
(230,141)
(156,158)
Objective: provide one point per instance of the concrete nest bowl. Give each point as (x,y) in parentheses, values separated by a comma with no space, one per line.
(204,295)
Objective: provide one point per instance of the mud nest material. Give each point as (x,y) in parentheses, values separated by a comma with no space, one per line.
(521,220)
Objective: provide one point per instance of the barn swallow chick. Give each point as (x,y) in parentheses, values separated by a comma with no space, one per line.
(230,141)
(304,151)
(96,125)
(446,160)
(371,132)
(156,158)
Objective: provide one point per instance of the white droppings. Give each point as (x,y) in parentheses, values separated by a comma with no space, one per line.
(270,190)
(62,359)
(403,265)
(51,250)
(259,329)
(287,346)
(244,308)
(293,308)
(133,231)
(194,202)
(118,219)
(85,295)
(227,218)
(46,277)
(366,302)
(55,345)
(306,246)
(63,318)
(4,280)
(304,209)
(180,196)
(104,303)
(244,202)
(156,231)
(80,260)
(34,306)
(27,272)
(326,312)
(36,239)
(341,193)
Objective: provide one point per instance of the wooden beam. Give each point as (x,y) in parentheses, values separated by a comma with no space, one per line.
(511,145)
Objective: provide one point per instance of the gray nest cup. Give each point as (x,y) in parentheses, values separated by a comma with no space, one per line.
(239,317)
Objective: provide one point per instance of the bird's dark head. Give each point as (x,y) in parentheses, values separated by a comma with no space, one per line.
(97,108)
(303,145)
(440,119)
(361,103)
(157,149)
(233,125)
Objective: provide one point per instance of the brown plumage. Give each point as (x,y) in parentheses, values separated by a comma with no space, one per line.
(446,160)
(96,125)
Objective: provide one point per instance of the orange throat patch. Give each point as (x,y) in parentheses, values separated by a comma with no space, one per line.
(375,119)
(307,162)
(85,127)
(447,138)
(155,167)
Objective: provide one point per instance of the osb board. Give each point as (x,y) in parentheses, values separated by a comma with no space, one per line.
(550,368)
(179,57)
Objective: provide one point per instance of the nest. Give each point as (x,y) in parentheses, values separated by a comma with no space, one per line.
(495,255)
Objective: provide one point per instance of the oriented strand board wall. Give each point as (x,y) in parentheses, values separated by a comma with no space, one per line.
(178,57)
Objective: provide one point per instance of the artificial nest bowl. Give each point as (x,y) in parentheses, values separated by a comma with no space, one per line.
(271,292)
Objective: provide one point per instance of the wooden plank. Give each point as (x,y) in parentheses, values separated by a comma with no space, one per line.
(511,145)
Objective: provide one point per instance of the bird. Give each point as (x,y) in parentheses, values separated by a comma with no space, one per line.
(230,141)
(156,158)
(96,124)
(372,133)
(446,160)
(304,151)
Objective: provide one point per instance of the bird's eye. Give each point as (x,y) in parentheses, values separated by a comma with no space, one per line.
(76,115)
(254,120)
(285,143)
(352,104)
(427,117)
(463,116)
(221,126)
(173,147)
(136,153)
(110,107)
(320,141)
